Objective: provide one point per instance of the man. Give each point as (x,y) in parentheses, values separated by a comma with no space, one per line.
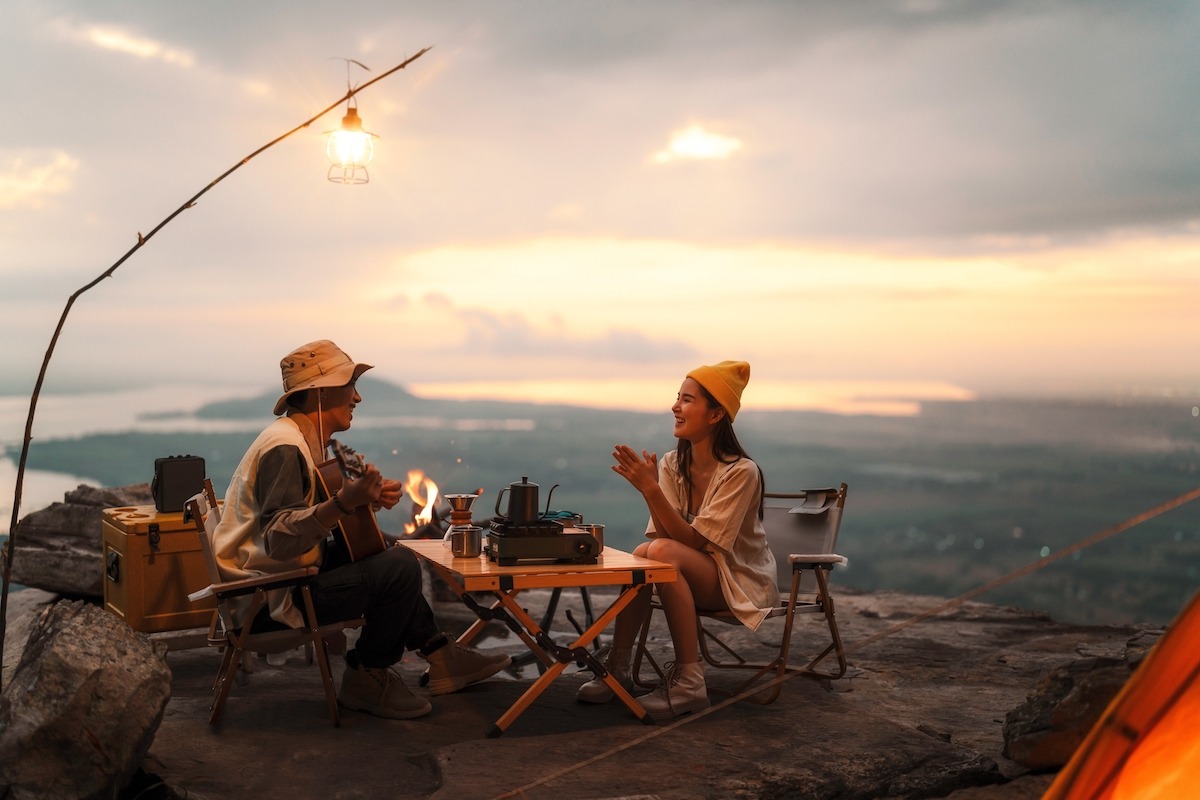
(276,519)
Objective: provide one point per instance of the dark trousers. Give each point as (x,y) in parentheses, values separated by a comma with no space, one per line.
(384,589)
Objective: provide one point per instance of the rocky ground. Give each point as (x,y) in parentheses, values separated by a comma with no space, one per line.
(920,714)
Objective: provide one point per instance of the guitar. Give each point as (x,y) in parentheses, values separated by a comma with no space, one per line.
(359,532)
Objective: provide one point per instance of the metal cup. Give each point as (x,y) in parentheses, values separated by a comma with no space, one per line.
(464,541)
(597,532)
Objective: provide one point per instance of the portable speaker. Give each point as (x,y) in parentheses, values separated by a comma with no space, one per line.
(176,478)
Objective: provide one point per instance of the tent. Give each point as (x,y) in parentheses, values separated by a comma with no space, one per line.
(1146,745)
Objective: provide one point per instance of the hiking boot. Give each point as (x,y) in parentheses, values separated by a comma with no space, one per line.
(455,665)
(681,692)
(596,690)
(380,692)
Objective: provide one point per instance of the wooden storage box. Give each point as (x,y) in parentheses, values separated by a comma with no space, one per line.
(152,560)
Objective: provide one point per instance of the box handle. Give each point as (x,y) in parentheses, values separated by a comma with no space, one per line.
(112,567)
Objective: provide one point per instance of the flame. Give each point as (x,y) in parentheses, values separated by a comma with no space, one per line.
(424,492)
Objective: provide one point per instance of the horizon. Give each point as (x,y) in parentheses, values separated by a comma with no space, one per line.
(171,407)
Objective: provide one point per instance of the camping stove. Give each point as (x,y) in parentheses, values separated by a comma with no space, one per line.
(540,540)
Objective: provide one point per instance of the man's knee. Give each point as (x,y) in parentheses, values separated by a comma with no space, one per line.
(401,565)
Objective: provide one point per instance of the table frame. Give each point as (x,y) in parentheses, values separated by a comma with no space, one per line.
(613,568)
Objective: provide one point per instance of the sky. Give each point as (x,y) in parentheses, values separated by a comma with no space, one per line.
(873,203)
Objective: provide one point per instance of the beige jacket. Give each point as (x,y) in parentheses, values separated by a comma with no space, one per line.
(728,519)
(268,523)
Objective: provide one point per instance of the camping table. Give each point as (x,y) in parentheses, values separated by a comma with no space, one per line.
(613,568)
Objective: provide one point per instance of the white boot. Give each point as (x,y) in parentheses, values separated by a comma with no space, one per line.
(596,690)
(682,691)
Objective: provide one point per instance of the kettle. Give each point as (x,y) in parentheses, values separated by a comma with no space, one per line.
(522,502)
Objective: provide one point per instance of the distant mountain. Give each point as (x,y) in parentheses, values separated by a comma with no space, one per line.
(383,399)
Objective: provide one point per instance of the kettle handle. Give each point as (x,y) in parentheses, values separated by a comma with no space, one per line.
(548,495)
(498,497)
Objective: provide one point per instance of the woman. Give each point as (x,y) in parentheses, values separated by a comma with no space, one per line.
(705,508)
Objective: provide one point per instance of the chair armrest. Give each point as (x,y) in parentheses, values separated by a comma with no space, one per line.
(799,561)
(279,580)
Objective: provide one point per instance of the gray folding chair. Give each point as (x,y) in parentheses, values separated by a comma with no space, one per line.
(802,529)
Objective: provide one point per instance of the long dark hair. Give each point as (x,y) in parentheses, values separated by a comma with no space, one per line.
(725,448)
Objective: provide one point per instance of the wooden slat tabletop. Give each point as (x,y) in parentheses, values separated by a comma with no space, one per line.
(613,567)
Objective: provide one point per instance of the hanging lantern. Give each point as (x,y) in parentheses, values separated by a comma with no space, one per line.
(350,148)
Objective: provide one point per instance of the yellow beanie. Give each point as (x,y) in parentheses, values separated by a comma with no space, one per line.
(725,382)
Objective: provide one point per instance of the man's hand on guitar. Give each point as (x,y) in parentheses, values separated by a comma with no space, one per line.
(390,493)
(364,489)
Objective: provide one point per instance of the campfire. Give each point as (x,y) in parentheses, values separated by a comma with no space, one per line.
(424,495)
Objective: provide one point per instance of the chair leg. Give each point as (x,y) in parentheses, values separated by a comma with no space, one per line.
(775,669)
(322,654)
(831,620)
(225,679)
(227,652)
(707,635)
(780,665)
(317,644)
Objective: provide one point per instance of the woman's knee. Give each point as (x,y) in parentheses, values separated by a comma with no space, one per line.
(667,550)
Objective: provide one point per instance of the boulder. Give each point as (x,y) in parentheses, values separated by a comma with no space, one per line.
(83,706)
(1044,731)
(60,548)
(24,609)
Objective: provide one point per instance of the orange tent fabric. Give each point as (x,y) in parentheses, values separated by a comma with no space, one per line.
(1146,746)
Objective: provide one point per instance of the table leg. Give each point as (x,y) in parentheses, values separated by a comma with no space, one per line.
(577,650)
(484,618)
(496,610)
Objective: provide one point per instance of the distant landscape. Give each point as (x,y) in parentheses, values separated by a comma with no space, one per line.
(939,503)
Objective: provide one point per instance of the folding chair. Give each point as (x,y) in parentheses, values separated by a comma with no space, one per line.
(802,530)
(237,643)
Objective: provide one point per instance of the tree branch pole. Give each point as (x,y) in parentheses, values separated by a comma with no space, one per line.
(9,547)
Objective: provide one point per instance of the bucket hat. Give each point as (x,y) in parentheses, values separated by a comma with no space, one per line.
(314,365)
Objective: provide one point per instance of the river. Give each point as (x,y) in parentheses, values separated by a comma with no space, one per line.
(69,416)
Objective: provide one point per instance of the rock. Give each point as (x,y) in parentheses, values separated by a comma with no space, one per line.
(83,706)
(60,548)
(135,494)
(1043,732)
(24,610)
(919,714)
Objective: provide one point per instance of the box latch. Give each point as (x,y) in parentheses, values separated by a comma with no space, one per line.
(154,537)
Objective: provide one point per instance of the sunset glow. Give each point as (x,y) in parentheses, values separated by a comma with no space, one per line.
(856,200)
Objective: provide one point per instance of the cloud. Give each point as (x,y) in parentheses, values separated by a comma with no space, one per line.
(119,40)
(256,88)
(26,180)
(505,334)
(489,334)
(694,143)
